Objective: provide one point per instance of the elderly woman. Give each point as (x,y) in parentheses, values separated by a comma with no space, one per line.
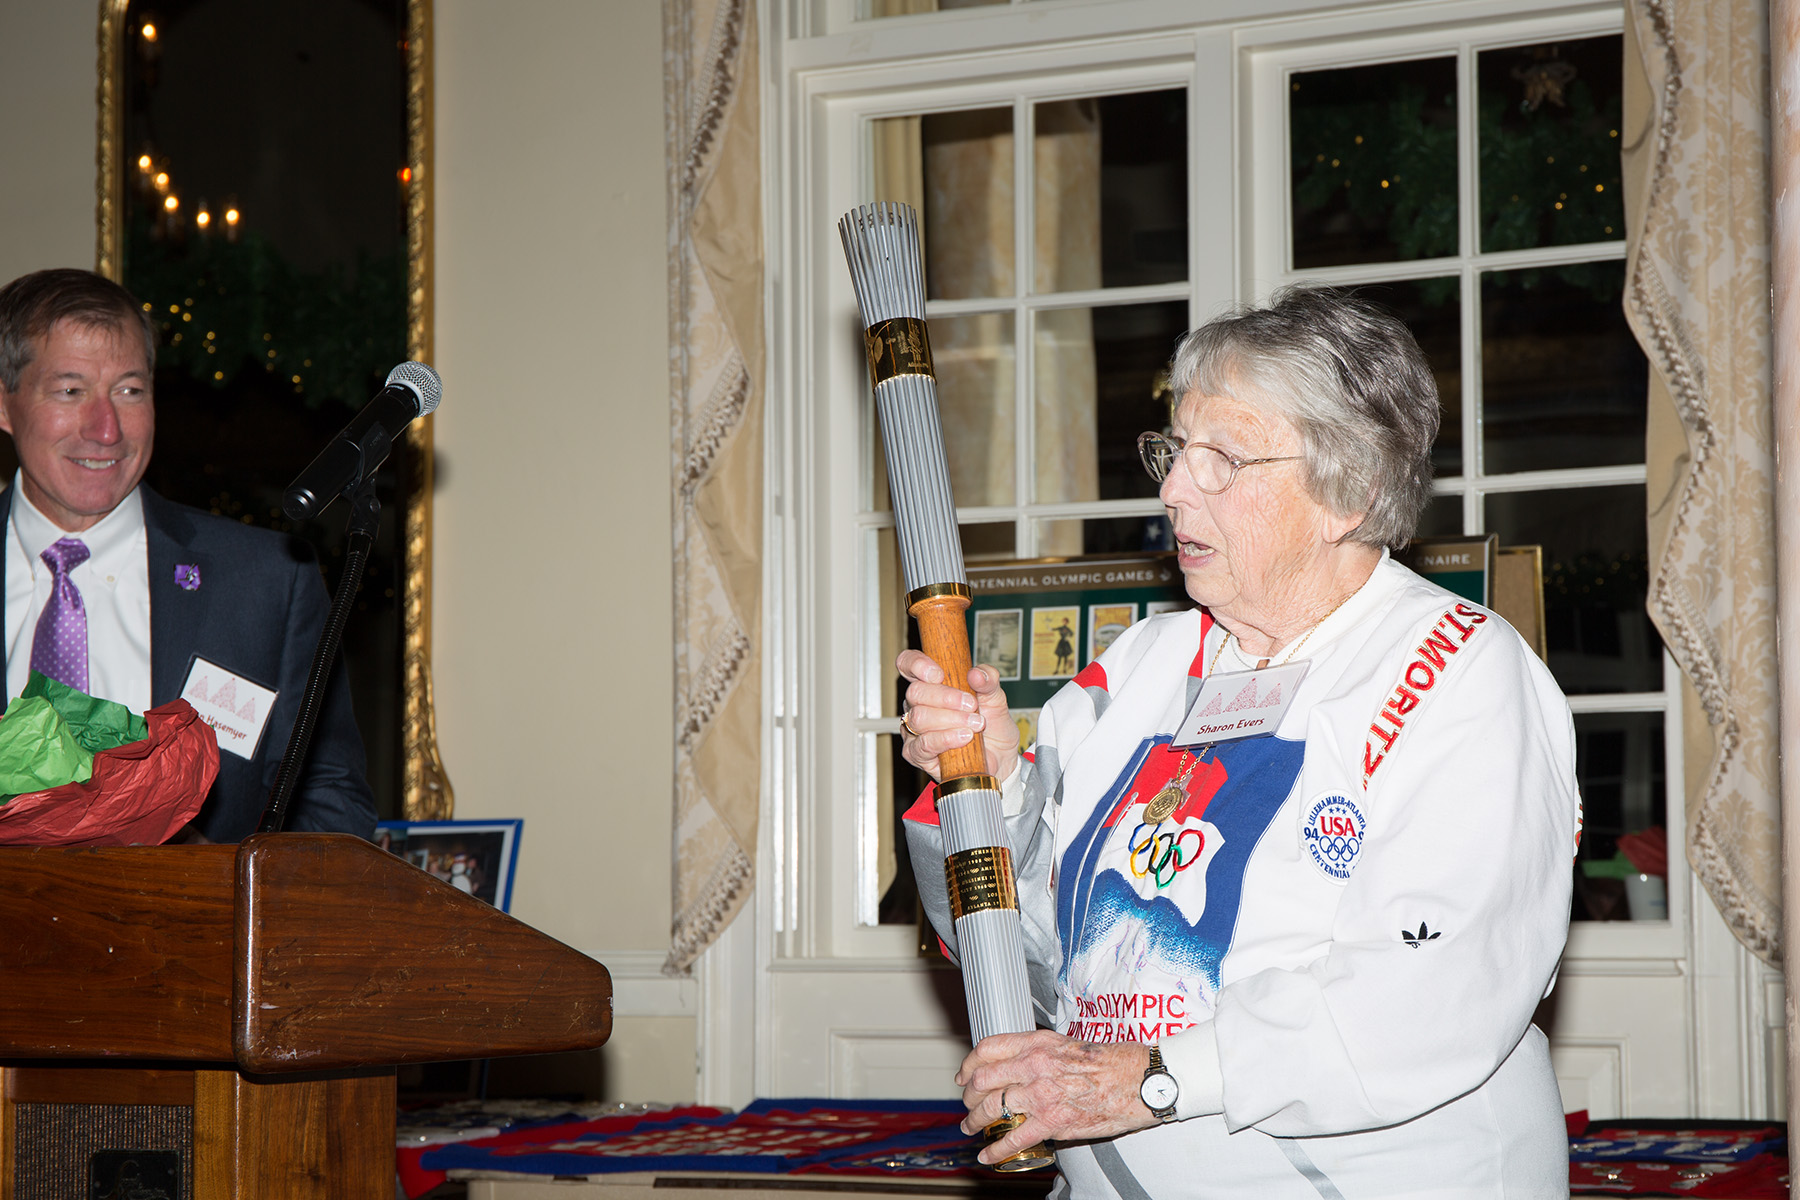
(1301,963)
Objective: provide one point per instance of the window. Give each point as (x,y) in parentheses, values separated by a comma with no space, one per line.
(1057,285)
(1542,440)
(1474,188)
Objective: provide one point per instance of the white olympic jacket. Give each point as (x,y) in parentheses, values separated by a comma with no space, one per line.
(1339,935)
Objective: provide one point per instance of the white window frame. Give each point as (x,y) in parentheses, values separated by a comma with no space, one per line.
(828,911)
(829,79)
(1267,202)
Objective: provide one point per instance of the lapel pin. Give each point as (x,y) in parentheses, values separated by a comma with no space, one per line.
(187,576)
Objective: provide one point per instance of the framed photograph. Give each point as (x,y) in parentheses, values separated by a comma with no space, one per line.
(1027,721)
(1105,623)
(1519,593)
(1055,642)
(477,857)
(997,640)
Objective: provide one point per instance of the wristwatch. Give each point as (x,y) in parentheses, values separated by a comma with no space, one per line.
(1159,1091)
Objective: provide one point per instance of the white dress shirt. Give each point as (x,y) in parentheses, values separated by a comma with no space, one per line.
(115,591)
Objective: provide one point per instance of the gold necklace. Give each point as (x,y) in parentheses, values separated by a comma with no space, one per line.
(1292,650)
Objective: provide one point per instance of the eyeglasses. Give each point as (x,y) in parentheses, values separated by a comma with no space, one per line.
(1211,468)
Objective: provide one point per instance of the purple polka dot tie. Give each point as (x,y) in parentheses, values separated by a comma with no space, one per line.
(60,647)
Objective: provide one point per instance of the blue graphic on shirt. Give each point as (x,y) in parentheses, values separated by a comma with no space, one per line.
(1091,901)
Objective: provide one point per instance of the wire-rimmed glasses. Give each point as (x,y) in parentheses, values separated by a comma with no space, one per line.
(1211,468)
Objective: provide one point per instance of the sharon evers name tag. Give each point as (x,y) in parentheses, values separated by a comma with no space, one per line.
(1240,704)
(237,708)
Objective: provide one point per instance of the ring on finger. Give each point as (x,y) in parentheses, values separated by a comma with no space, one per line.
(1006,1113)
(907,725)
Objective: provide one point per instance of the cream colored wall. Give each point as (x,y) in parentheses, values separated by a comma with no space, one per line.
(47,56)
(552,640)
(553,629)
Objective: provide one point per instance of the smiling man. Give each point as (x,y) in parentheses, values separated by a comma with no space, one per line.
(122,594)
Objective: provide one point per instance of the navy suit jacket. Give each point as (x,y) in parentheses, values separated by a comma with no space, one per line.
(258,612)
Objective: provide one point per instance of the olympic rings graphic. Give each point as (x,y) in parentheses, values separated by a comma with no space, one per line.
(1164,855)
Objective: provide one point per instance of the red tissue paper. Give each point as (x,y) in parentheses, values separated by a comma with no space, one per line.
(1648,850)
(140,794)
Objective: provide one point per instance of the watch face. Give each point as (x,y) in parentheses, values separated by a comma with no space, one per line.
(1159,1092)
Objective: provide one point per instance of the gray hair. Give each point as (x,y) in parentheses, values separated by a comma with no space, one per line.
(1351,380)
(31,306)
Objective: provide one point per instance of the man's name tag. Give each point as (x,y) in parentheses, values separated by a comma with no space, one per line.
(1240,704)
(237,708)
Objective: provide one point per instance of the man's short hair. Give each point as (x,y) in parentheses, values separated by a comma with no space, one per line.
(31,305)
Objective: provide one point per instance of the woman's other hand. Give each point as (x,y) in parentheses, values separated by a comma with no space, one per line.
(940,717)
(1066,1090)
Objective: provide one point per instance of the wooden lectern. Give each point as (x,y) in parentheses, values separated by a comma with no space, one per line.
(244,1007)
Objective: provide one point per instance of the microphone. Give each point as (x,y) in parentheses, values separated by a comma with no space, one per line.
(412,390)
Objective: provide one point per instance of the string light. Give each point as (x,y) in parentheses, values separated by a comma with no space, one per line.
(149,32)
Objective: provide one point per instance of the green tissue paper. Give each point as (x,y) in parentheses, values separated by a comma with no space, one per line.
(38,750)
(97,724)
(50,734)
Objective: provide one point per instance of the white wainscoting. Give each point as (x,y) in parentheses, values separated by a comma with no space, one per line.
(883,1064)
(640,989)
(1590,1074)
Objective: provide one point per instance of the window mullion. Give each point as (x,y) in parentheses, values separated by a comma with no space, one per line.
(1025,529)
(1468,235)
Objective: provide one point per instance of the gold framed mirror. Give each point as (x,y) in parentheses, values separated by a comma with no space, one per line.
(147,223)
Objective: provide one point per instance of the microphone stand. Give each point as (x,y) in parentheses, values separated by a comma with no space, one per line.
(365,515)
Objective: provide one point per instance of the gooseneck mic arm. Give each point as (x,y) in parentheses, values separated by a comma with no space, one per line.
(346,467)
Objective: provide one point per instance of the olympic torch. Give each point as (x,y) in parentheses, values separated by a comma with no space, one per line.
(881,243)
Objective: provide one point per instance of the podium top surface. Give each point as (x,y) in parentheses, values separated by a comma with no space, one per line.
(291,952)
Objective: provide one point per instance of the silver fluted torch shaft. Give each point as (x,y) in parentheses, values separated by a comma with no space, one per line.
(881,243)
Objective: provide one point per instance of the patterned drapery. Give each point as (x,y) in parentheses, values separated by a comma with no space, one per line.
(1697,296)
(711,116)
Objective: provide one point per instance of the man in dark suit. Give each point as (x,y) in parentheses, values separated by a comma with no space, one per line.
(123,594)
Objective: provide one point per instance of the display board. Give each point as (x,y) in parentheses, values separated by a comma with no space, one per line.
(1464,565)
(1039,622)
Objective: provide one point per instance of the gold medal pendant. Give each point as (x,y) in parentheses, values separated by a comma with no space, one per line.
(1170,798)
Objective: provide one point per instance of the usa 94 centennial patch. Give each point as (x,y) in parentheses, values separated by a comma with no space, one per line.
(1332,829)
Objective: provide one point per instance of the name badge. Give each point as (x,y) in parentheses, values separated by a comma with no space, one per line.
(237,708)
(1240,704)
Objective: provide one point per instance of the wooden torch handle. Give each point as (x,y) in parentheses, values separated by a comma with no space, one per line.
(944,634)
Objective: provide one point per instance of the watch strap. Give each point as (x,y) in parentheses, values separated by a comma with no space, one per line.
(1156,1067)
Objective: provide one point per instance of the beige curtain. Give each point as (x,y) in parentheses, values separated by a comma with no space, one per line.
(715,400)
(1697,296)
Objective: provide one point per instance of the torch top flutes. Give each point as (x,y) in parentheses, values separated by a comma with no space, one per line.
(881,243)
